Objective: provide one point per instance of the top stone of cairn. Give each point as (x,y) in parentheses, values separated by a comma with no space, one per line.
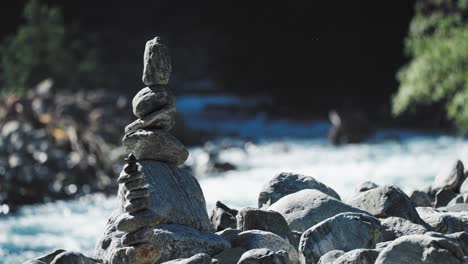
(156,63)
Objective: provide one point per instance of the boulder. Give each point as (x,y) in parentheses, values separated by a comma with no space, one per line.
(46,258)
(287,183)
(346,231)
(252,239)
(308,207)
(459,199)
(464,185)
(196,259)
(458,207)
(229,234)
(386,201)
(330,256)
(394,227)
(223,217)
(450,177)
(443,197)
(161,119)
(358,256)
(69,257)
(266,220)
(150,99)
(230,255)
(264,256)
(421,249)
(421,198)
(156,63)
(459,238)
(349,127)
(365,186)
(444,222)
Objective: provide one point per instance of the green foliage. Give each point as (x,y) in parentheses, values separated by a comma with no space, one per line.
(438,71)
(40,49)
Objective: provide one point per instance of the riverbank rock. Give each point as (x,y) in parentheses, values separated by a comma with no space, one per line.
(264,256)
(150,99)
(459,238)
(305,208)
(444,222)
(395,227)
(348,127)
(230,255)
(443,197)
(450,177)
(421,249)
(156,63)
(386,201)
(421,198)
(330,256)
(223,217)
(346,231)
(365,186)
(287,183)
(196,259)
(358,256)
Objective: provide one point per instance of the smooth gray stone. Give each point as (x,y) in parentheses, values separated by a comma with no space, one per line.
(137,184)
(266,220)
(223,217)
(46,258)
(174,195)
(444,222)
(394,227)
(156,145)
(143,235)
(252,239)
(464,185)
(450,177)
(230,255)
(417,249)
(201,258)
(443,197)
(365,186)
(287,183)
(305,208)
(420,198)
(264,256)
(346,231)
(151,99)
(459,207)
(136,205)
(156,63)
(137,194)
(162,119)
(330,256)
(125,177)
(131,222)
(358,256)
(459,238)
(386,201)
(229,234)
(178,241)
(69,257)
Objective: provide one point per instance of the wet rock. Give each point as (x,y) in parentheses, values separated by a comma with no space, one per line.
(394,227)
(421,198)
(421,249)
(253,239)
(287,183)
(151,99)
(346,231)
(156,63)
(365,186)
(305,208)
(69,257)
(358,256)
(196,259)
(444,222)
(349,127)
(449,178)
(223,217)
(443,197)
(330,256)
(264,256)
(386,201)
(258,219)
(230,255)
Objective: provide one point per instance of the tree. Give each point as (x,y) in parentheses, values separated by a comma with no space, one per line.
(438,71)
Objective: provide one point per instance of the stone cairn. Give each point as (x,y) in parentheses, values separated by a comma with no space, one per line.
(162,213)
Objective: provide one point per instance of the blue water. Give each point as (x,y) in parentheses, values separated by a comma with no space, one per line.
(407,159)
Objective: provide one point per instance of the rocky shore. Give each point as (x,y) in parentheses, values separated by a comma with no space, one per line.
(162,216)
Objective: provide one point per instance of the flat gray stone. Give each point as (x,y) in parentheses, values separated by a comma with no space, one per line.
(287,183)
(69,257)
(386,201)
(156,63)
(330,256)
(151,99)
(417,249)
(196,259)
(421,198)
(346,231)
(223,217)
(450,177)
(229,234)
(161,119)
(264,256)
(358,256)
(156,145)
(394,227)
(305,208)
(444,222)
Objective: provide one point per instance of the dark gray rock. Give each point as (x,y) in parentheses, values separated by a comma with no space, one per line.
(151,99)
(443,197)
(69,257)
(421,249)
(444,222)
(464,185)
(287,183)
(156,145)
(156,63)
(252,239)
(346,231)
(358,256)
(230,255)
(229,234)
(161,119)
(46,258)
(349,127)
(365,186)
(264,256)
(223,217)
(459,238)
(308,207)
(394,227)
(386,201)
(421,198)
(330,256)
(266,220)
(196,259)
(449,178)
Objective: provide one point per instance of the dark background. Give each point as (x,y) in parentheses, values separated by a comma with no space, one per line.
(311,56)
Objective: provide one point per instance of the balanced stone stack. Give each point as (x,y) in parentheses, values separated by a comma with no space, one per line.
(162,213)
